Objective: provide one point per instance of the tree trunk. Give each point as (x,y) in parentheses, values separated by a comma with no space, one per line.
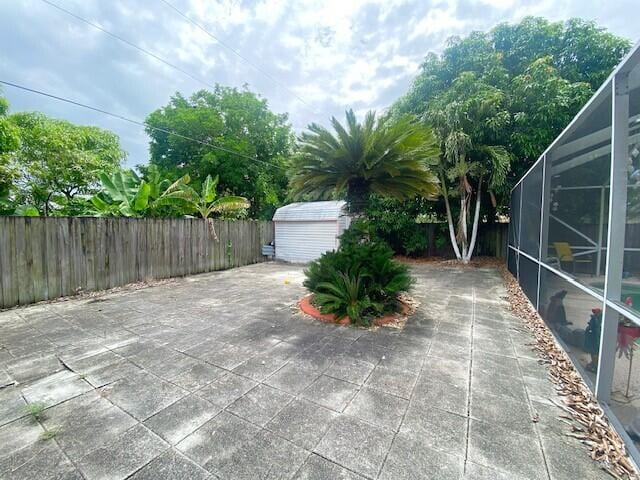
(452,232)
(476,219)
(463,224)
(46,204)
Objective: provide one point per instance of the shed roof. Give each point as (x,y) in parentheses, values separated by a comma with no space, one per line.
(311,211)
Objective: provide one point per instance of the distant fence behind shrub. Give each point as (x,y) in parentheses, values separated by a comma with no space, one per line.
(47,258)
(492,240)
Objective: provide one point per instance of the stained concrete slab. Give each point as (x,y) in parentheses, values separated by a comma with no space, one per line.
(217,439)
(436,429)
(128,453)
(142,394)
(493,445)
(350,370)
(330,393)
(40,460)
(265,456)
(85,423)
(318,468)
(216,377)
(181,418)
(171,465)
(56,388)
(395,381)
(503,411)
(260,404)
(302,423)
(294,377)
(18,435)
(226,390)
(198,376)
(356,445)
(12,405)
(423,462)
(378,408)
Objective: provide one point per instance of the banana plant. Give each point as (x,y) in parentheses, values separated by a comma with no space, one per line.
(124,193)
(206,203)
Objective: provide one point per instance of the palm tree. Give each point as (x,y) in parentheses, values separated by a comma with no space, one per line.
(383,155)
(468,119)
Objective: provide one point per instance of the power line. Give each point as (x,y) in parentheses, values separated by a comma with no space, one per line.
(127,42)
(167,62)
(236,53)
(137,122)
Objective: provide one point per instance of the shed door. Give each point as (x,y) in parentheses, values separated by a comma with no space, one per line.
(304,241)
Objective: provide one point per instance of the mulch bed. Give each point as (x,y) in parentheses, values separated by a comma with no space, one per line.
(393,319)
(476,262)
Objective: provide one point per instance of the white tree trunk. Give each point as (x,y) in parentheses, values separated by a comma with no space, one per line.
(476,219)
(452,231)
(463,225)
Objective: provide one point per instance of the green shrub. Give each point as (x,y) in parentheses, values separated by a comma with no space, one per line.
(359,280)
(345,296)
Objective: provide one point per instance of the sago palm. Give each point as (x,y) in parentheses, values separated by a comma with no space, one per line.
(384,155)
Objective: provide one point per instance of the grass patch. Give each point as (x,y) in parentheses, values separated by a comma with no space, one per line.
(49,433)
(35,410)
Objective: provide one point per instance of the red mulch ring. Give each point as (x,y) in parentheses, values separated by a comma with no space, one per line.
(307,307)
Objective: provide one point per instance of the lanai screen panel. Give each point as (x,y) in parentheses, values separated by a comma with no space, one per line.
(578,198)
(530,211)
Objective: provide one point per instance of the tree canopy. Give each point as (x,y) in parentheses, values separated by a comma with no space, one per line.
(44,160)
(236,120)
(539,72)
(496,100)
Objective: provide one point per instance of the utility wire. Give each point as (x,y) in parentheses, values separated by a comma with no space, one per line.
(237,53)
(137,122)
(130,44)
(168,63)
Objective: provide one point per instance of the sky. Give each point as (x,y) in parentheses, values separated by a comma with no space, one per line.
(312,59)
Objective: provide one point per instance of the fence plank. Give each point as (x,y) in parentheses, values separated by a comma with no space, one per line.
(9,262)
(37,239)
(23,255)
(101,253)
(215,242)
(46,258)
(80,265)
(186,238)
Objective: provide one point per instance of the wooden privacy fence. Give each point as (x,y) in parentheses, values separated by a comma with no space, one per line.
(492,240)
(46,258)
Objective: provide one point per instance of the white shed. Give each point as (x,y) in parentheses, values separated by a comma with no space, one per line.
(305,230)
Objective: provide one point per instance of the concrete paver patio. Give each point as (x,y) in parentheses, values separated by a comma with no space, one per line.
(216,376)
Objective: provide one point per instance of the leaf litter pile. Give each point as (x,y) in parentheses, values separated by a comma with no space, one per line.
(581,410)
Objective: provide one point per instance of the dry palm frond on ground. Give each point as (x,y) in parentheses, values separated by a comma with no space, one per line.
(588,421)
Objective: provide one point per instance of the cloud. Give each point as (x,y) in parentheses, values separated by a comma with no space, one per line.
(335,54)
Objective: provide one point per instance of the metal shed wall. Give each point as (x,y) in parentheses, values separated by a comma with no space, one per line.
(305,241)
(306,230)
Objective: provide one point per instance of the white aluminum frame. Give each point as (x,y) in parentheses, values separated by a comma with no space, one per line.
(618,83)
